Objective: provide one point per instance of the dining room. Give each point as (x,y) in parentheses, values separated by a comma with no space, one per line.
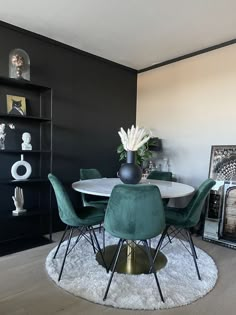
(185,99)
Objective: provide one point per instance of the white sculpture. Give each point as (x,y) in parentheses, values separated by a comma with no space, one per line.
(18,199)
(2,136)
(26,145)
(15,166)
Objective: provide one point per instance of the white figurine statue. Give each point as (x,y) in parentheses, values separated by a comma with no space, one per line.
(26,145)
(2,136)
(18,199)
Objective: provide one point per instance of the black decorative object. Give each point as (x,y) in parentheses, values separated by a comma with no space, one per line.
(130,173)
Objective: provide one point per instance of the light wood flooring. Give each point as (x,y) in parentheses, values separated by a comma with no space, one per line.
(25,288)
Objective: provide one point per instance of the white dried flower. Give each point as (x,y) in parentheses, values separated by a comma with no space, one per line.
(17,60)
(134,138)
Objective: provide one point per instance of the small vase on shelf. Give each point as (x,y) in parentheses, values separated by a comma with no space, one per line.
(130,173)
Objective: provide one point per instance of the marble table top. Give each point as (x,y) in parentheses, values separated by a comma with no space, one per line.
(104,186)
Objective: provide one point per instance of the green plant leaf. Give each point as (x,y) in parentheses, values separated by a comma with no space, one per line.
(142,154)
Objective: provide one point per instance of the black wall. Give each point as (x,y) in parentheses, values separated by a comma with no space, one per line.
(92,99)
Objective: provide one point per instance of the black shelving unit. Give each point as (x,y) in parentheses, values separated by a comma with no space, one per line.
(20,182)
(24,152)
(37,221)
(40,119)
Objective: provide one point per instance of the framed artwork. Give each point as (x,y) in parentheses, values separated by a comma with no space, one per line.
(223,163)
(220,220)
(16,105)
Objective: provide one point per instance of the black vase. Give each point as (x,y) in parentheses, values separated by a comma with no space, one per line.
(130,173)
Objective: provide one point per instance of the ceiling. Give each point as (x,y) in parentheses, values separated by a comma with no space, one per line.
(134,33)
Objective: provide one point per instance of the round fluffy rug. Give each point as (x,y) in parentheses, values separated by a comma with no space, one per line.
(84,277)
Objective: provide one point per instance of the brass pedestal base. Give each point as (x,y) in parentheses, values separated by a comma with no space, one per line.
(132,260)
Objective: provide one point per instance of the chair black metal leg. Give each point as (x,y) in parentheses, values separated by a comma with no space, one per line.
(61,241)
(153,268)
(91,238)
(193,253)
(81,232)
(192,244)
(150,243)
(103,240)
(160,242)
(120,243)
(167,234)
(67,247)
(113,258)
(98,246)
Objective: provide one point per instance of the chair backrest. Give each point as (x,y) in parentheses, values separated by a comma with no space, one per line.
(66,210)
(194,208)
(135,212)
(160,175)
(89,173)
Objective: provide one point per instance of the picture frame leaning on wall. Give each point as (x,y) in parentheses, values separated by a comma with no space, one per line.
(223,163)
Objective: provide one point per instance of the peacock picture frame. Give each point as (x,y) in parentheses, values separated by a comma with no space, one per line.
(223,163)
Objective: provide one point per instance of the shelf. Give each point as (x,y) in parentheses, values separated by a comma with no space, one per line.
(25,181)
(22,84)
(32,118)
(25,151)
(29,213)
(22,243)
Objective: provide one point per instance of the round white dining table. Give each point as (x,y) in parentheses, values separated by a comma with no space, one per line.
(133,259)
(103,187)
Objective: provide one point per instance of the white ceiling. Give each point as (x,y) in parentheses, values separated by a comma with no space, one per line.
(135,33)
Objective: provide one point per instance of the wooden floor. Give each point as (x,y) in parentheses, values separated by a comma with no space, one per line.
(25,288)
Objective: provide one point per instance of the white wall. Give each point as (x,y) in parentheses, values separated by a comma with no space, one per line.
(191,105)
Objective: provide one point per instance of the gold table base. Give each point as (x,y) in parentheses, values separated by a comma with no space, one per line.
(133,259)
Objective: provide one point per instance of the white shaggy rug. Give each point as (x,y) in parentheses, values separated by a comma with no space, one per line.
(84,277)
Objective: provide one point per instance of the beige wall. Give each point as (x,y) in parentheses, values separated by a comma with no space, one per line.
(191,105)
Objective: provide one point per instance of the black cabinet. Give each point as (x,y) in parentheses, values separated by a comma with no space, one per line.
(37,191)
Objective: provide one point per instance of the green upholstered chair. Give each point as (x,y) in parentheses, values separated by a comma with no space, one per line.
(92,173)
(160,175)
(84,219)
(134,212)
(93,201)
(182,219)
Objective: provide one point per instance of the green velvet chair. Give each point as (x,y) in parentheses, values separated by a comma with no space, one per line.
(93,201)
(161,176)
(83,219)
(92,173)
(183,219)
(134,212)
